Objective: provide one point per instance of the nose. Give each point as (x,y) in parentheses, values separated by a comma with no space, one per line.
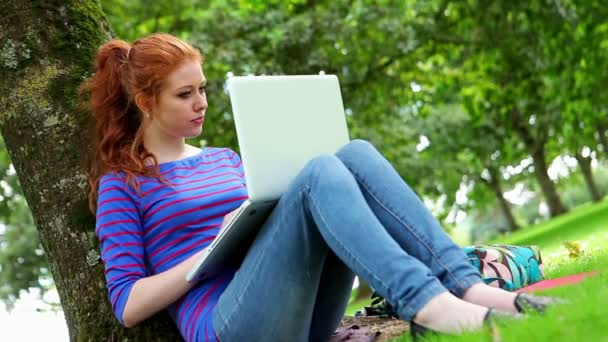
(201,102)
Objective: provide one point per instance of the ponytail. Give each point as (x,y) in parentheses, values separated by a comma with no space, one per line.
(117,143)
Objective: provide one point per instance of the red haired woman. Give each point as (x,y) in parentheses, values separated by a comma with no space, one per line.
(159,202)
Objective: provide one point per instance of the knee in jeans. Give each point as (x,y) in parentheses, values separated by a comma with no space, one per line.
(325,169)
(360,143)
(356,146)
(322,162)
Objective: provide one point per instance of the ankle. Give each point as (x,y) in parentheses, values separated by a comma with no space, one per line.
(433,309)
(448,314)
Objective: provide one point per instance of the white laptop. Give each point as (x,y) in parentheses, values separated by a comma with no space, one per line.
(282,122)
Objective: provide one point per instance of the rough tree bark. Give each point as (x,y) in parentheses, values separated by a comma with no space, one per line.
(46,49)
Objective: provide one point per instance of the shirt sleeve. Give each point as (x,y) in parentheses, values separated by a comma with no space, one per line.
(119,230)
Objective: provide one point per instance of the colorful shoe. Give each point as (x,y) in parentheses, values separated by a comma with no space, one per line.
(525,302)
(418,331)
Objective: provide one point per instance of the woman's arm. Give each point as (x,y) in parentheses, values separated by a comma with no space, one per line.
(152,294)
(133,293)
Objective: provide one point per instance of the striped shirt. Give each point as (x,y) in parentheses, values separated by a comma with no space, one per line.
(149,231)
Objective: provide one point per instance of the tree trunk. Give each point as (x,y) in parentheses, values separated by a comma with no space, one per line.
(536,148)
(601,132)
(46,50)
(585,165)
(494,184)
(556,207)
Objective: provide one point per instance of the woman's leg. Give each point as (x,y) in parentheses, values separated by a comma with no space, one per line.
(273,295)
(409,222)
(406,218)
(332,298)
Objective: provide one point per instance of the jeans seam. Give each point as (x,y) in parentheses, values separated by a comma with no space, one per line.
(412,231)
(354,257)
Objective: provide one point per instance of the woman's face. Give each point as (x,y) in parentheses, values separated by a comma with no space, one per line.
(182,102)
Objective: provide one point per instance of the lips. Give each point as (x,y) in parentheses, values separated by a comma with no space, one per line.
(198,120)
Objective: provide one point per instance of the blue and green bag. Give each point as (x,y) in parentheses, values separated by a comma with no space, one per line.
(506,266)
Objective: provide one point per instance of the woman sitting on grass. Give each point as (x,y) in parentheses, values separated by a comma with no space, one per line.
(159,202)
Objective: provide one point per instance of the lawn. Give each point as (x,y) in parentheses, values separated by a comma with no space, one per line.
(584,318)
(587,224)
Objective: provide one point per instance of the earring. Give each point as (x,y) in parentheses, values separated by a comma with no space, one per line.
(147,115)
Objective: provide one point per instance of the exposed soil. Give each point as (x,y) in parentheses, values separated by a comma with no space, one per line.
(389,328)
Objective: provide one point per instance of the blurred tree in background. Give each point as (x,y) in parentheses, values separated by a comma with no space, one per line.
(469,100)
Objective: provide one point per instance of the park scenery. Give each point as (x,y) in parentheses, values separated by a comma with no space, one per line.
(494,112)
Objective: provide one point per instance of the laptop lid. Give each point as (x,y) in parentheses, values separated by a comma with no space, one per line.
(282,122)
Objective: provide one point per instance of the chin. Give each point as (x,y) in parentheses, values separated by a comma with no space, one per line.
(193,134)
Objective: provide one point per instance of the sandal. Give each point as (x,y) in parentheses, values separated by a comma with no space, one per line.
(525,302)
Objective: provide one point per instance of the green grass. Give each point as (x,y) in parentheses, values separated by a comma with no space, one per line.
(354,306)
(587,223)
(584,319)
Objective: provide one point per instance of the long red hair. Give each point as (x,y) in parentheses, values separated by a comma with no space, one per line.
(123,72)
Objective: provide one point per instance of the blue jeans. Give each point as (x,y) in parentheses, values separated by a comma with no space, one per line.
(342,215)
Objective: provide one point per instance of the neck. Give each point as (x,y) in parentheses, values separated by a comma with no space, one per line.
(164,147)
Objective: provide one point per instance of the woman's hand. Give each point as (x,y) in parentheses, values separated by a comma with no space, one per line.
(151,294)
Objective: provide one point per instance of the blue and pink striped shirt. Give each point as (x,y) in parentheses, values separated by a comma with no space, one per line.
(149,231)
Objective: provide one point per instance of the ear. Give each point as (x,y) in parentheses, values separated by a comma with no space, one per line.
(142,103)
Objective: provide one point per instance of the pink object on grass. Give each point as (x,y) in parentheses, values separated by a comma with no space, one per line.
(557,282)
